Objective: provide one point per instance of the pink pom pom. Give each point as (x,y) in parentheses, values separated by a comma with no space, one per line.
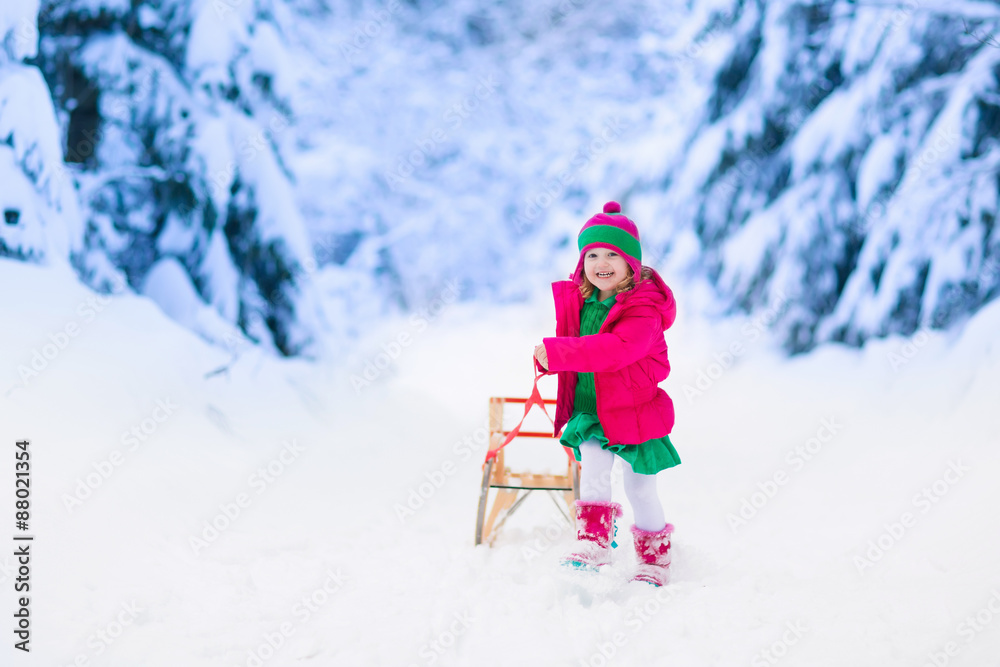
(612,207)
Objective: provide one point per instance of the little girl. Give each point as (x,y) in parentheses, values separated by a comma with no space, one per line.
(610,355)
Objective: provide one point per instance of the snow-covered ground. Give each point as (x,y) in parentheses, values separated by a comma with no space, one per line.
(834,509)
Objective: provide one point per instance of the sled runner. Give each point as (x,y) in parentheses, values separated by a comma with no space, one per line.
(512,488)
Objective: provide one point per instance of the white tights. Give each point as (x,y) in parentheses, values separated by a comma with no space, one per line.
(595,485)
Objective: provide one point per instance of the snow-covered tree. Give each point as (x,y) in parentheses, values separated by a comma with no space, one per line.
(847,160)
(175,116)
(244,161)
(41,218)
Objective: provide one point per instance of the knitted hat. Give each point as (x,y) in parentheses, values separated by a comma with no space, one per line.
(610,229)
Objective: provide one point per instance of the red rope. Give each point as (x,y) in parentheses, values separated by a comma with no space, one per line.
(534,399)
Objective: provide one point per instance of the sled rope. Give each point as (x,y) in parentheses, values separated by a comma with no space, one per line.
(534,399)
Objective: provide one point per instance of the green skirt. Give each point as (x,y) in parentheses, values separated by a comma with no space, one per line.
(647,458)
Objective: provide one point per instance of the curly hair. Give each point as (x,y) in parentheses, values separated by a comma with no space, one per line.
(587,288)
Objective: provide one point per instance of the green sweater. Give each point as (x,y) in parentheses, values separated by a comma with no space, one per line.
(592,316)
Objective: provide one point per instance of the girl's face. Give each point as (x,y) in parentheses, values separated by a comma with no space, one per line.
(605,268)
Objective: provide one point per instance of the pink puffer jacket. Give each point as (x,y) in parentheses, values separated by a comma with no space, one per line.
(628,358)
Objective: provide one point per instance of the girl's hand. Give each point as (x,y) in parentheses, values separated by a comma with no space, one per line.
(542,356)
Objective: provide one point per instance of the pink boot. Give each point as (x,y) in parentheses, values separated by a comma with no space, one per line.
(653,550)
(595,523)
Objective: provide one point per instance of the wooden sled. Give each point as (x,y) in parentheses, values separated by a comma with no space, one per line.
(512,488)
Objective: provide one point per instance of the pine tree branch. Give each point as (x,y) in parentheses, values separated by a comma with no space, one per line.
(983,37)
(967,9)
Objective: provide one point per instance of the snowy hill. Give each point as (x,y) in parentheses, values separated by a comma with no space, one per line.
(264,263)
(830,510)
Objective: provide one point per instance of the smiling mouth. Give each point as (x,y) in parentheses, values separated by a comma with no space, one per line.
(607,274)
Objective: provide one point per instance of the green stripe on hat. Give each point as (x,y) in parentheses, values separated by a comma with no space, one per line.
(615,236)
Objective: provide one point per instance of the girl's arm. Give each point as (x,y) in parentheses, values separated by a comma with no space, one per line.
(631,340)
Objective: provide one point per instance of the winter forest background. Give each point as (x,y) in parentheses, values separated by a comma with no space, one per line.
(263,262)
(299,168)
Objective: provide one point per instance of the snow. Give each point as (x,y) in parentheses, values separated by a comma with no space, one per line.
(170,286)
(222,279)
(18,30)
(201,502)
(213,149)
(28,126)
(173,148)
(270,56)
(278,216)
(302,122)
(760,235)
(26,231)
(312,471)
(850,129)
(148,18)
(27,123)
(217,32)
(877,169)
